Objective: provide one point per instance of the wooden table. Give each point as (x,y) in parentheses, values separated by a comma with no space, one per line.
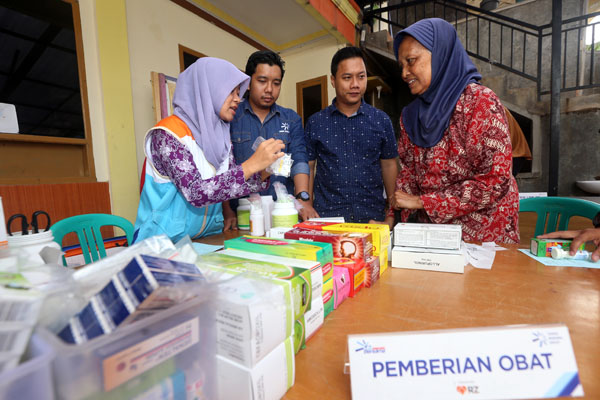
(518,290)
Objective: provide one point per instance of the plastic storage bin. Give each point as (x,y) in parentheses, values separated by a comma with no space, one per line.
(33,378)
(167,353)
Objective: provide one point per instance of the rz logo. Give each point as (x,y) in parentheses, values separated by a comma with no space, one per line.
(467,389)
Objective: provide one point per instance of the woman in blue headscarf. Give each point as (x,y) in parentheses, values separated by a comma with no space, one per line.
(454,146)
(190,167)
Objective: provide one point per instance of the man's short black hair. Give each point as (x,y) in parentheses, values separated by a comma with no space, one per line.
(263,57)
(344,54)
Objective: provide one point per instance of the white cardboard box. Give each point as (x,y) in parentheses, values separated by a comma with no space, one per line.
(310,322)
(253,317)
(278,232)
(428,259)
(431,236)
(267,380)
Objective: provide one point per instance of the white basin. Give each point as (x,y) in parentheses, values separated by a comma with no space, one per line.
(589,186)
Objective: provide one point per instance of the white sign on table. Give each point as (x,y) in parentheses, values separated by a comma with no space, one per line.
(514,362)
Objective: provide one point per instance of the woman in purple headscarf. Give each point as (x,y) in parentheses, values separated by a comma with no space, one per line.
(454,146)
(190,167)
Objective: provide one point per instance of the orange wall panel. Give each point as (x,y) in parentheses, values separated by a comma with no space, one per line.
(58,200)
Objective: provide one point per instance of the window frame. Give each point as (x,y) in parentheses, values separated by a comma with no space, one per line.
(21,172)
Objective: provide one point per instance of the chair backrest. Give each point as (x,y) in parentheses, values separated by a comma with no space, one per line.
(554,213)
(87,228)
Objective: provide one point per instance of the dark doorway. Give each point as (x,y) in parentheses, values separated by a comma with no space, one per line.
(311,96)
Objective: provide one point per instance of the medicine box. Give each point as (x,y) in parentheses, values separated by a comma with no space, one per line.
(145,285)
(278,232)
(346,244)
(380,233)
(298,279)
(356,273)
(109,364)
(267,380)
(543,247)
(253,317)
(312,251)
(432,236)
(371,271)
(306,326)
(428,259)
(164,379)
(341,285)
(328,296)
(316,274)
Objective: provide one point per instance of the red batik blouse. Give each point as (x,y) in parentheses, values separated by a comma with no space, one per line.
(466,178)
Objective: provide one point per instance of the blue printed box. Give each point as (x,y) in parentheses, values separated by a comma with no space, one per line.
(146,285)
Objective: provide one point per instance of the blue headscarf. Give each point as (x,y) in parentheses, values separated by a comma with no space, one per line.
(427,117)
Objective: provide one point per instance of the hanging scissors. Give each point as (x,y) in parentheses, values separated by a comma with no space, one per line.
(25,224)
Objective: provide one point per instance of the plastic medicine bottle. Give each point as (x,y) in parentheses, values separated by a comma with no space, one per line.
(243,214)
(558,253)
(284,214)
(257,221)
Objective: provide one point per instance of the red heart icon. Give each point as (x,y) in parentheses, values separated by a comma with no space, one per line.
(461,389)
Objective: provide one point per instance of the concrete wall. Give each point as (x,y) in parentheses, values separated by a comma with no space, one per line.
(579,130)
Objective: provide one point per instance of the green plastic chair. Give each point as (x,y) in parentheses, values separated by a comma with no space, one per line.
(87,227)
(554,213)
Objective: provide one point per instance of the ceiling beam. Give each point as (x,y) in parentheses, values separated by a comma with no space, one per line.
(208,17)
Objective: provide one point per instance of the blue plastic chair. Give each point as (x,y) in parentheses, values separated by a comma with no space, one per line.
(554,213)
(87,227)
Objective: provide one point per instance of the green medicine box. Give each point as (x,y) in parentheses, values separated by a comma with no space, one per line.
(297,278)
(314,251)
(543,247)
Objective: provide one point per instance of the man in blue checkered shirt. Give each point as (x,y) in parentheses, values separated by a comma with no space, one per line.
(354,149)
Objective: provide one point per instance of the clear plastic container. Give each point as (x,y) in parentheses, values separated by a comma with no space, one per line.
(147,355)
(32,379)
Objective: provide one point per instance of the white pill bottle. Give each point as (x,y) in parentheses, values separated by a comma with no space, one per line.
(284,214)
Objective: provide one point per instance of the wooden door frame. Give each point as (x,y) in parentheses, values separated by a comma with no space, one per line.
(322,81)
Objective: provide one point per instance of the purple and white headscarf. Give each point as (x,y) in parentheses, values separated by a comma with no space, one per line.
(199,95)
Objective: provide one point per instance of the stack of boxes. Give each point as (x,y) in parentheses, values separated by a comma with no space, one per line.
(318,257)
(431,247)
(352,252)
(255,338)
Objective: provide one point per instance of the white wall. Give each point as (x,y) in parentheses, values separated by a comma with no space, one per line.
(155,29)
(307,62)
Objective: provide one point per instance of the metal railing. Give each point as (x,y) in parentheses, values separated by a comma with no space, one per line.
(516,46)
